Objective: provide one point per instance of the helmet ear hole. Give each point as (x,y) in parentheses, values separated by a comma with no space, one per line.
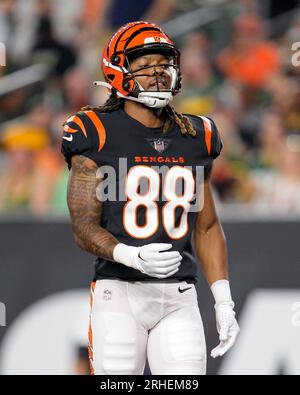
(126,85)
(115,59)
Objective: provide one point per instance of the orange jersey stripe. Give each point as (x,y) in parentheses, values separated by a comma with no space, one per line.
(78,122)
(208,133)
(100,128)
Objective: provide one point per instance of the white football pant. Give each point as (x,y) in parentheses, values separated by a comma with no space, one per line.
(130,322)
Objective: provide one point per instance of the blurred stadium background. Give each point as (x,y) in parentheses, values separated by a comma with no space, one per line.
(240,66)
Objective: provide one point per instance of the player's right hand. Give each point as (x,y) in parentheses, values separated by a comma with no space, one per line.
(152,259)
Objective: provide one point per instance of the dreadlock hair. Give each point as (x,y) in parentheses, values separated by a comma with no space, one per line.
(114,103)
(182,121)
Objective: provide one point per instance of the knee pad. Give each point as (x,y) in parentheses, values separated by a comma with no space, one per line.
(119,344)
(185,342)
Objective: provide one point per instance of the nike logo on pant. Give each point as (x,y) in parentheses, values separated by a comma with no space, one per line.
(184,289)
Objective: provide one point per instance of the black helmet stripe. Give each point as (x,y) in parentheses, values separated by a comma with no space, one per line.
(143,29)
(121,35)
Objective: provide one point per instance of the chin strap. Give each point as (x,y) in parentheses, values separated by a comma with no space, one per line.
(149,99)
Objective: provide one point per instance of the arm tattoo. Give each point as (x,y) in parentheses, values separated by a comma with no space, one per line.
(86,210)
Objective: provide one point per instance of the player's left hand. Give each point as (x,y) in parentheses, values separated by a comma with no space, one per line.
(227,327)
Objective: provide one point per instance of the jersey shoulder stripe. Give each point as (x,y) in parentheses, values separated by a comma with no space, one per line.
(99,128)
(78,122)
(87,122)
(208,132)
(203,126)
(83,134)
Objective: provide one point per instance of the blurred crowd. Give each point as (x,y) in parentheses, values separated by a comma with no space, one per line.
(243,78)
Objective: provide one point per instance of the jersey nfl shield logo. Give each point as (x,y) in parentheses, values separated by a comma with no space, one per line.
(159,144)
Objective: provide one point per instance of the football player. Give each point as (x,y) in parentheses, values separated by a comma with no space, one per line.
(143,297)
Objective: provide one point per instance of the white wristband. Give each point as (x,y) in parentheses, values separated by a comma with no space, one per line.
(125,254)
(221,291)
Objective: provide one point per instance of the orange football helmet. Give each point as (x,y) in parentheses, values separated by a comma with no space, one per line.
(132,40)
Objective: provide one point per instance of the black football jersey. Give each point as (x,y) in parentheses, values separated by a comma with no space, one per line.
(150,182)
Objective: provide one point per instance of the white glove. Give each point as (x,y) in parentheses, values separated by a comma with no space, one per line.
(151,259)
(227,325)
